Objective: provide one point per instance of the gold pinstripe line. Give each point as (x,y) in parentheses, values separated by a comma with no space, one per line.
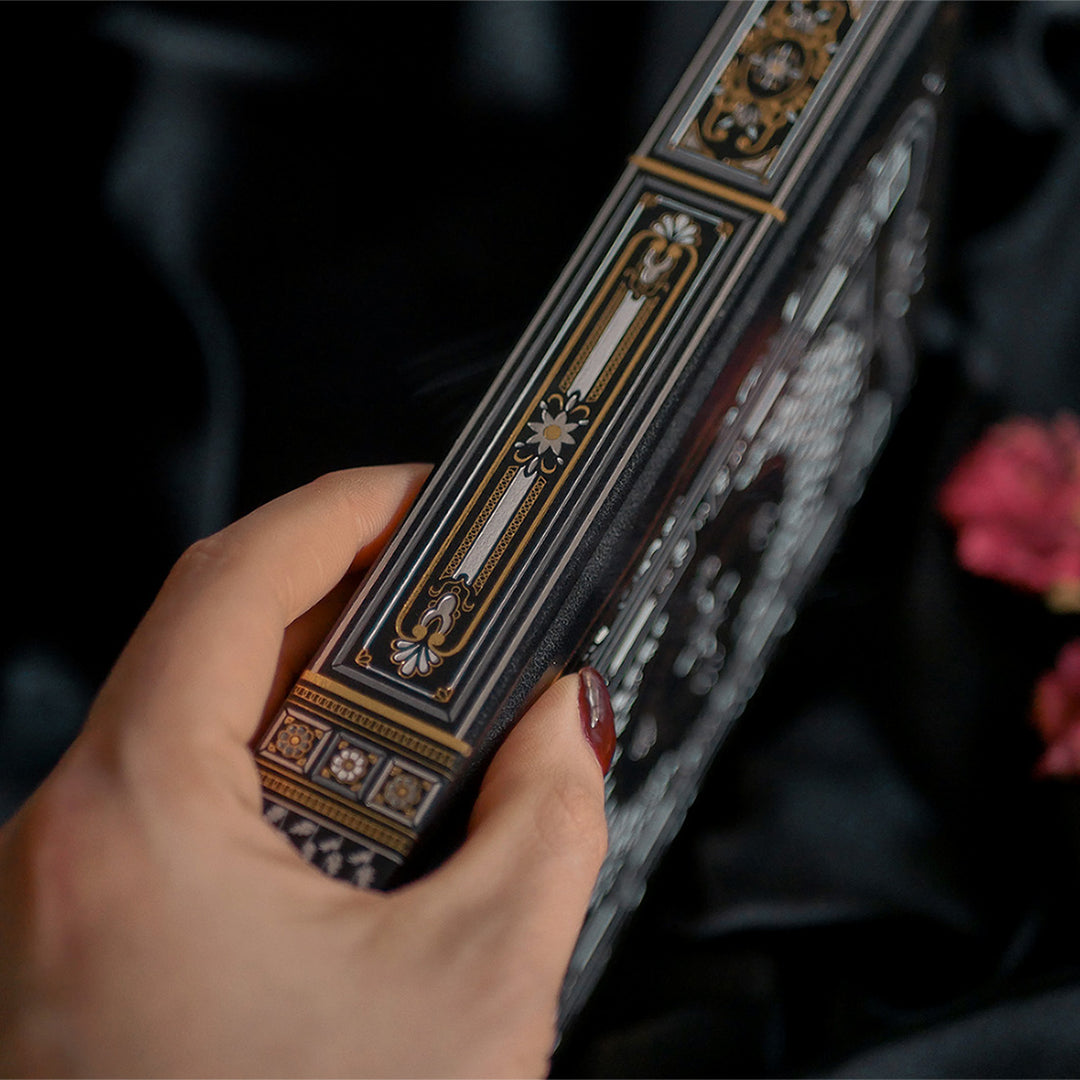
(710,187)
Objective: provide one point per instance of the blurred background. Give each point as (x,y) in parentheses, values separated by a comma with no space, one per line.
(251,243)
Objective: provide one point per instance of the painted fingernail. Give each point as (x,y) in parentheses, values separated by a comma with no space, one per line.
(597,716)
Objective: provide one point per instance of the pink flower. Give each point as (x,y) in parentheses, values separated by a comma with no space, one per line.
(1014,500)
(1055,712)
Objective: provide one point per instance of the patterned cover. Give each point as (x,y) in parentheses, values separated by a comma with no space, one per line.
(660,468)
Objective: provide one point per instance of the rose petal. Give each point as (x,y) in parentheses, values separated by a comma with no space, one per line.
(1014,500)
(1055,713)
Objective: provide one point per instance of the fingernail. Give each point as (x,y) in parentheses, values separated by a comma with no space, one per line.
(597,716)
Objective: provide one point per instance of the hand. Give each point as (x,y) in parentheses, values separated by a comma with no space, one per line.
(151,923)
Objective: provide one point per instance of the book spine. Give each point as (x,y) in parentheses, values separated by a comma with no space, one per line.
(477,601)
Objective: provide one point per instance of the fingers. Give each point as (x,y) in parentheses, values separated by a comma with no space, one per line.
(538,834)
(205,655)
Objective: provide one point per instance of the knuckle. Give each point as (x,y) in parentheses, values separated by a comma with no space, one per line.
(208,554)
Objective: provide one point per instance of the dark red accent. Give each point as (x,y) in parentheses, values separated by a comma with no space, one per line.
(597,716)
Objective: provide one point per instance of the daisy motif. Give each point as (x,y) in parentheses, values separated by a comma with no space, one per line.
(551,432)
(348,765)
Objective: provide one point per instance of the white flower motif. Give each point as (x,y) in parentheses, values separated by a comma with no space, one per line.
(678,228)
(551,432)
(348,765)
(414,656)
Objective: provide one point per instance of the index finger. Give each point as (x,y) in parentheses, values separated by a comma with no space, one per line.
(203,659)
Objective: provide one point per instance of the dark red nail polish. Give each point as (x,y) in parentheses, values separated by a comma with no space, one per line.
(597,716)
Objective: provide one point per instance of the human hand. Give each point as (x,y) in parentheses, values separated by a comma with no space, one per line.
(151,923)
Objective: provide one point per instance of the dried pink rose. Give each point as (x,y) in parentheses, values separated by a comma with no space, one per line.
(1014,500)
(1055,712)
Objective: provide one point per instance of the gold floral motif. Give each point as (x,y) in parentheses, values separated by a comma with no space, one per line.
(294,741)
(769,81)
(402,792)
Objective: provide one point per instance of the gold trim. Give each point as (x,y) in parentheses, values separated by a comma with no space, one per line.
(312,700)
(640,348)
(599,326)
(515,428)
(509,533)
(709,187)
(387,711)
(571,344)
(629,340)
(353,820)
(481,521)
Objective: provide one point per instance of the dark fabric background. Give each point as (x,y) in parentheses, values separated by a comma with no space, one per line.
(251,243)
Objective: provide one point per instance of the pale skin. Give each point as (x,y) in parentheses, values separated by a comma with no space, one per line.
(152,924)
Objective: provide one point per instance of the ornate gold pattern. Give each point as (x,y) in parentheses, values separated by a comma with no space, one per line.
(331,695)
(480,522)
(624,346)
(589,343)
(401,792)
(352,818)
(357,766)
(650,271)
(708,187)
(762,91)
(294,740)
(511,532)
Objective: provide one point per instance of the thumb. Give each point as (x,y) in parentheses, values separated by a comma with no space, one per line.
(538,832)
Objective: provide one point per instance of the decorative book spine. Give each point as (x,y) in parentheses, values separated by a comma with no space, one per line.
(557,495)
